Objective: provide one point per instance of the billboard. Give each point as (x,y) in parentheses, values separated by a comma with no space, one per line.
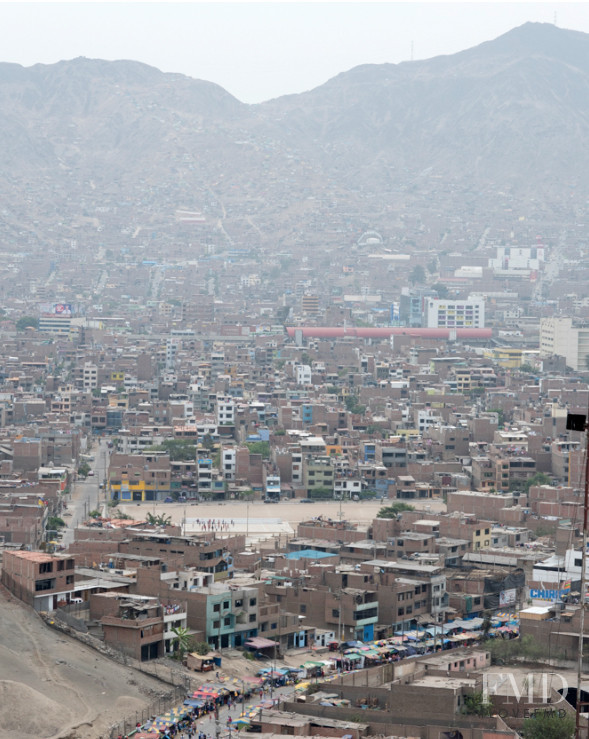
(57,309)
(507,597)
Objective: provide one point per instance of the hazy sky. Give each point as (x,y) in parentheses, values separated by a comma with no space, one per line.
(260,50)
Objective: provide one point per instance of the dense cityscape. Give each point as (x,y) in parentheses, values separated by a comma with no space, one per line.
(289,464)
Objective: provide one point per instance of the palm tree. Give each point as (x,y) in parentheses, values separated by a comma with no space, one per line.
(182,641)
(160,520)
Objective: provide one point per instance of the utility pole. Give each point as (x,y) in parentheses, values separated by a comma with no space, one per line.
(574,423)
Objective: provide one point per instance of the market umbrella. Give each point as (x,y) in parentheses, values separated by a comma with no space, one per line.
(242,722)
(204,692)
(159,724)
(178,712)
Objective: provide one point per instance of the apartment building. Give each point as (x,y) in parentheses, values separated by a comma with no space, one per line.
(41,580)
(559,336)
(132,624)
(134,477)
(439,313)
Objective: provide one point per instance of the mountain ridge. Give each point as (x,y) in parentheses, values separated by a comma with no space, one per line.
(508,115)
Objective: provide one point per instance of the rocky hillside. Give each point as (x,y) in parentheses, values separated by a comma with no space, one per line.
(511,115)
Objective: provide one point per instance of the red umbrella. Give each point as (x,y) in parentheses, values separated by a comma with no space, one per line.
(205,693)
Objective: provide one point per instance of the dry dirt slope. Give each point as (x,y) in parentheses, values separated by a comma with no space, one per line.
(51,686)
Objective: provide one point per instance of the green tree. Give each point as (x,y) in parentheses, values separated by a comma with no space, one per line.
(259,447)
(475,705)
(540,478)
(432,266)
(417,275)
(208,442)
(201,647)
(180,450)
(26,322)
(182,641)
(392,511)
(353,406)
(321,493)
(159,520)
(94,514)
(54,523)
(500,416)
(123,516)
(83,469)
(549,725)
(442,290)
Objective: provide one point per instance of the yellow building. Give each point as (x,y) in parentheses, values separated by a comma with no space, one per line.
(505,356)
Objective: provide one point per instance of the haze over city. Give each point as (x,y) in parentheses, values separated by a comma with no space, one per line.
(293,395)
(258,51)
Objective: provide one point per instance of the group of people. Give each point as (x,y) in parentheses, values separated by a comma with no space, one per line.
(214,524)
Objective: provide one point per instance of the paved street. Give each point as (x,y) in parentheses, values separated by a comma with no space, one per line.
(221,728)
(86,494)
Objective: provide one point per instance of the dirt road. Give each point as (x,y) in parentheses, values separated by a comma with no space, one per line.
(290,512)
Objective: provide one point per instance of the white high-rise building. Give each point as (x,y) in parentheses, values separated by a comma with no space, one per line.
(469,313)
(559,337)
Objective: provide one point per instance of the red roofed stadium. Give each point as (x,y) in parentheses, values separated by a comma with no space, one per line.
(338,332)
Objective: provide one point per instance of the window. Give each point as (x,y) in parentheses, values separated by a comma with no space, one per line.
(401,611)
(216,607)
(216,624)
(303,608)
(44,584)
(335,612)
(69,579)
(227,621)
(45,567)
(253,601)
(226,605)
(252,617)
